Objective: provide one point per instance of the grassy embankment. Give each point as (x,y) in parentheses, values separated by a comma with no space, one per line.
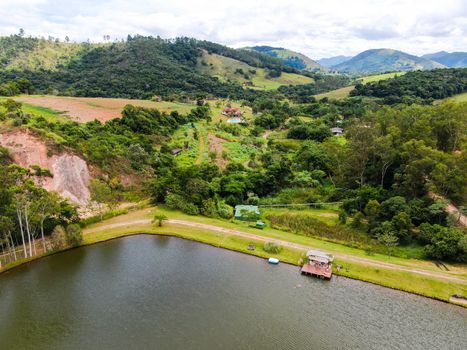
(431,286)
(435,284)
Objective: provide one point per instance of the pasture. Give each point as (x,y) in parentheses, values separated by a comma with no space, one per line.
(84,109)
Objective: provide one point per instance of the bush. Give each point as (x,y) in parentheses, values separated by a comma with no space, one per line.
(58,238)
(74,236)
(271,247)
(177,202)
(225,211)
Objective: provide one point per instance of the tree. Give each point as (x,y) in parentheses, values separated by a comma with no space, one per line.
(361,143)
(249,215)
(58,238)
(159,218)
(47,205)
(389,240)
(101,194)
(74,235)
(372,213)
(357,220)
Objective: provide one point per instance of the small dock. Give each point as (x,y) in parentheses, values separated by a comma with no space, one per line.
(319,264)
(316,270)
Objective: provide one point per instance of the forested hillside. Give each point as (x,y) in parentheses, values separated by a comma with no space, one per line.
(140,67)
(416,87)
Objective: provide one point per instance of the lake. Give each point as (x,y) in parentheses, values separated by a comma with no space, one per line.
(151,292)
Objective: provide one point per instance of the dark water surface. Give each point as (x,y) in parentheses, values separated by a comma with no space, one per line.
(150,292)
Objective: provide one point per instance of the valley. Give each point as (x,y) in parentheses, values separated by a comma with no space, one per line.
(236,127)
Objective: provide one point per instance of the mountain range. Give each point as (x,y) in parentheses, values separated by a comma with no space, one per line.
(367,62)
(383,60)
(449,59)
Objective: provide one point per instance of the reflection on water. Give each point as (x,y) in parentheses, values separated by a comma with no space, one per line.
(151,292)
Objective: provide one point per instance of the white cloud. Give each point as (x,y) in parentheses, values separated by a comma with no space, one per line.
(314,27)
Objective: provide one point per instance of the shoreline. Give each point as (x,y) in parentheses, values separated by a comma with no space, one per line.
(258,254)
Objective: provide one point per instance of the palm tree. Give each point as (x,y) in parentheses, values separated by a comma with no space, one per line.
(159,218)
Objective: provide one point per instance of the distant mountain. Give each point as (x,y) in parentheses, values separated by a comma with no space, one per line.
(290,58)
(384,60)
(449,59)
(435,55)
(333,61)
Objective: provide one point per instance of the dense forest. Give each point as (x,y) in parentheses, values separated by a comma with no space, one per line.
(417,87)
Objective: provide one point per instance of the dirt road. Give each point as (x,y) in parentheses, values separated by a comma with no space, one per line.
(346,257)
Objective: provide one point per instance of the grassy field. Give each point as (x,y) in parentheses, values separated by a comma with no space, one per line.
(378,77)
(85,109)
(459,98)
(337,94)
(49,114)
(225,69)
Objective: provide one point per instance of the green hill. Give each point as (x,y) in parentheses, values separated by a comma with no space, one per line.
(140,67)
(385,60)
(230,70)
(290,58)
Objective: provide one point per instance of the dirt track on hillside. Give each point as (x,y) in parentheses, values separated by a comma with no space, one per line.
(347,257)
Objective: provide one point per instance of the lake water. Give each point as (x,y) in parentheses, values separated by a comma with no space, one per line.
(150,292)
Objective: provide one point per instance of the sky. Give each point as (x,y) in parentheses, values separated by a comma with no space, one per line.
(314,27)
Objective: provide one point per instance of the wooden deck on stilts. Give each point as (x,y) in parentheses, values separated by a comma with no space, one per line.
(317,271)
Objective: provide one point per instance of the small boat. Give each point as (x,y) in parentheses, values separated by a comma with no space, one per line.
(273,261)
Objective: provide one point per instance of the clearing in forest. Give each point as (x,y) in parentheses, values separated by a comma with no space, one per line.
(216,146)
(85,109)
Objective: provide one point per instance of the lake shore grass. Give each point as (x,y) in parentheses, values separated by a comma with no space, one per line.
(425,285)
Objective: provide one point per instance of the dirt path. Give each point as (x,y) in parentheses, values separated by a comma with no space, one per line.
(451,209)
(297,246)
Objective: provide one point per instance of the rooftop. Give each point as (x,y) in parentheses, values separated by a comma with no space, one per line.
(319,255)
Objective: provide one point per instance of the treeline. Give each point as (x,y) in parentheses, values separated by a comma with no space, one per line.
(416,87)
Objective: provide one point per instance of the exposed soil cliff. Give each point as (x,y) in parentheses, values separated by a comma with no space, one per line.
(70,173)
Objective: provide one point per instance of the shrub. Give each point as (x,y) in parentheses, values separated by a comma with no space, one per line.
(271,247)
(225,211)
(58,238)
(74,236)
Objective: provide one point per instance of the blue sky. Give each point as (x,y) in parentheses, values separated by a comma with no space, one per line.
(316,28)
